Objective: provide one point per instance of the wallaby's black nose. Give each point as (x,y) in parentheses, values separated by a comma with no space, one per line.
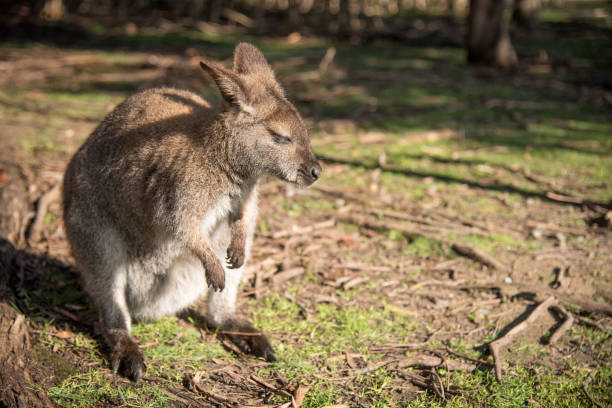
(315,170)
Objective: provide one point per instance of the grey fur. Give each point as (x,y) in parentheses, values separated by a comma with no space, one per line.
(165,189)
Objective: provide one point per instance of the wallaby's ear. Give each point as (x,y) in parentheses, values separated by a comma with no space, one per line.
(230,85)
(249,60)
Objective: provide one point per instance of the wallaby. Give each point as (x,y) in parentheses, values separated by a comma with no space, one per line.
(161,200)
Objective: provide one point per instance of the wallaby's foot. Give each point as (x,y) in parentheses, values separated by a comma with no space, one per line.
(248,338)
(128,360)
(215,275)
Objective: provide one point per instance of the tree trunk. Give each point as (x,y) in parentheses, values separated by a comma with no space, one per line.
(344,17)
(488,37)
(526,13)
(15,388)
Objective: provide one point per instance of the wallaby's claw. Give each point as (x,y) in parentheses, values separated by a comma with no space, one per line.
(235,259)
(129,362)
(215,275)
(215,280)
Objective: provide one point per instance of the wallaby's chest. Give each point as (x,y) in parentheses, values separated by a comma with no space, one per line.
(226,207)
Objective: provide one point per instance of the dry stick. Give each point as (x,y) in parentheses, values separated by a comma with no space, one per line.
(438,391)
(303,310)
(591,323)
(305,230)
(286,275)
(371,223)
(46,199)
(327,59)
(464,250)
(479,256)
(443,226)
(445,362)
(584,304)
(567,323)
(562,280)
(272,388)
(494,346)
(585,385)
(215,397)
(466,357)
(433,362)
(564,198)
(178,398)
(397,347)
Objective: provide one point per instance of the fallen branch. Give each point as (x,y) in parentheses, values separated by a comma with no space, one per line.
(46,199)
(371,223)
(562,279)
(585,305)
(327,59)
(479,256)
(433,362)
(567,323)
(269,386)
(564,198)
(466,357)
(585,385)
(238,17)
(495,346)
(286,275)
(304,230)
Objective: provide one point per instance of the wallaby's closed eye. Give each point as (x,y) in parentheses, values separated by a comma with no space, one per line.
(161,200)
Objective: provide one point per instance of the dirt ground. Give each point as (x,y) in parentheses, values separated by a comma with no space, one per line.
(373,297)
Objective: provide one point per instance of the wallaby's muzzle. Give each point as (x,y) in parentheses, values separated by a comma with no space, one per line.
(315,171)
(309,173)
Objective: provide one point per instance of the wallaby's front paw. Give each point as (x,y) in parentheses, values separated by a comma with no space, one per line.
(235,257)
(127,360)
(215,275)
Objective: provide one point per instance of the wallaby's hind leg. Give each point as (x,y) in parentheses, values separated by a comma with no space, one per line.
(102,263)
(126,358)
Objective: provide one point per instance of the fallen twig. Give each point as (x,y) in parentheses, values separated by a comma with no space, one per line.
(562,279)
(466,357)
(591,323)
(585,385)
(495,346)
(585,305)
(286,275)
(434,361)
(567,323)
(303,310)
(436,384)
(304,230)
(564,198)
(195,384)
(46,199)
(327,59)
(269,386)
(371,223)
(479,256)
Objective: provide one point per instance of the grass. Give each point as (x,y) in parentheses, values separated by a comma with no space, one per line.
(95,387)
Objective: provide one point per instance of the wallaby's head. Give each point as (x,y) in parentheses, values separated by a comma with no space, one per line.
(268,134)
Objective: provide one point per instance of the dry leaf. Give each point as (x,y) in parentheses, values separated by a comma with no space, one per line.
(300,393)
(64,334)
